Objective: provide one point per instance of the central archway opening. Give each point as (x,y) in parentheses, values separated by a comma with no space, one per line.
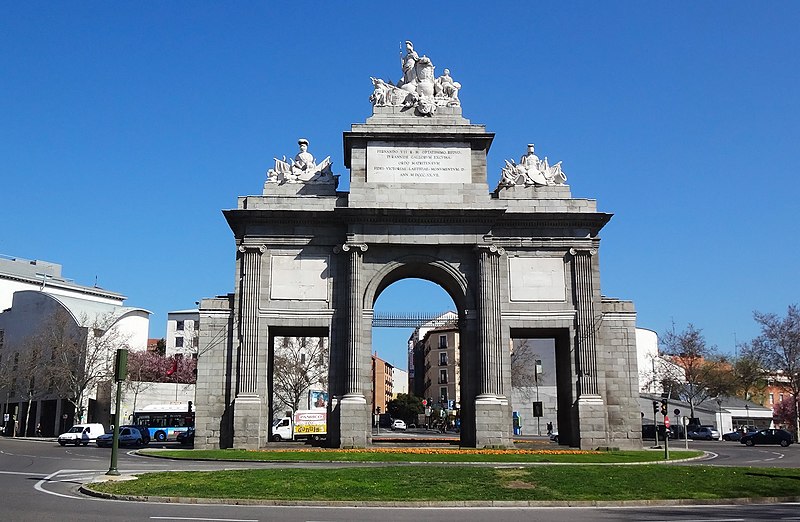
(416,338)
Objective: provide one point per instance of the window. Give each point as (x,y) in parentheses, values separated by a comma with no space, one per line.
(772,398)
(442,341)
(443,393)
(442,376)
(780,397)
(179,325)
(443,359)
(179,342)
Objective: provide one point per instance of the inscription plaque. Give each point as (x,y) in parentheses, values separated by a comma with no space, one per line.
(537,279)
(433,162)
(302,278)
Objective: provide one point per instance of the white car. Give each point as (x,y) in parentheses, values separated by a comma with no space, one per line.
(399,424)
(81,434)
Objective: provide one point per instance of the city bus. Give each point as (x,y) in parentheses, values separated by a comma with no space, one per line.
(165,421)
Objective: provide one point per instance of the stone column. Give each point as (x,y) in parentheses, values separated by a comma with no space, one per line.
(591,406)
(354,418)
(585,324)
(247,404)
(493,422)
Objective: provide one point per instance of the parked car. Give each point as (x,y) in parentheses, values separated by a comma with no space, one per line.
(399,424)
(649,432)
(128,436)
(734,435)
(704,433)
(142,429)
(554,437)
(81,434)
(770,436)
(186,437)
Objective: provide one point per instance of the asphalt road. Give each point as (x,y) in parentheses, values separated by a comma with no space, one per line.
(40,481)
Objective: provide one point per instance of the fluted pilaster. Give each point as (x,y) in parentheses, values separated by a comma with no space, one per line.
(585,319)
(489,327)
(248,323)
(355,311)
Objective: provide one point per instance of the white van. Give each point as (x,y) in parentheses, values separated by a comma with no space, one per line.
(81,434)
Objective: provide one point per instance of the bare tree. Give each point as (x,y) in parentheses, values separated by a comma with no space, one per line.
(779,347)
(83,357)
(526,365)
(692,371)
(298,364)
(33,376)
(749,374)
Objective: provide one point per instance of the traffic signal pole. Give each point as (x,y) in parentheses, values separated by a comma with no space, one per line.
(664,411)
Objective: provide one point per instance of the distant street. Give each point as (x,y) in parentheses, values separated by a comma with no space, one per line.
(40,481)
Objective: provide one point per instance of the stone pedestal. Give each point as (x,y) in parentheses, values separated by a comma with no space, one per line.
(492,422)
(246,422)
(354,422)
(591,411)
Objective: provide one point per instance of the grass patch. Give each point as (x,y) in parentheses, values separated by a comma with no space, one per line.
(463,483)
(427,455)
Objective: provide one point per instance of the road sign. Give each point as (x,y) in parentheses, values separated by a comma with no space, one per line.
(424,402)
(666,421)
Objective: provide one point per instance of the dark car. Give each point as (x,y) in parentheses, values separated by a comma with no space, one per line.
(186,437)
(734,435)
(770,436)
(649,432)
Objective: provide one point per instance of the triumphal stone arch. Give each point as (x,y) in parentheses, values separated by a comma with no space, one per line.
(521,261)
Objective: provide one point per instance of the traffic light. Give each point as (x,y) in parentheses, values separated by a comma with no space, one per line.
(664,406)
(655,407)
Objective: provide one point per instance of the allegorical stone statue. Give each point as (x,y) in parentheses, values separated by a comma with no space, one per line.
(531,171)
(302,169)
(418,88)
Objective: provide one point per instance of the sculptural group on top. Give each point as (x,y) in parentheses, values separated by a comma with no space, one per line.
(418,88)
(302,169)
(531,171)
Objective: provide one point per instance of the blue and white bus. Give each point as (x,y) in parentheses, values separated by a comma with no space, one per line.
(165,421)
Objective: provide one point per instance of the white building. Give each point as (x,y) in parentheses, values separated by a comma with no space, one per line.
(183,328)
(399,382)
(32,293)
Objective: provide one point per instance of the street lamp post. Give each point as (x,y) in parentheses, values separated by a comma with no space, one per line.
(747,409)
(719,411)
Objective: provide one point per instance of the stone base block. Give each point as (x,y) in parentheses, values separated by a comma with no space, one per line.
(354,422)
(492,422)
(247,422)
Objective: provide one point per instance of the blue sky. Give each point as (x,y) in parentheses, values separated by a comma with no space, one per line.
(126,127)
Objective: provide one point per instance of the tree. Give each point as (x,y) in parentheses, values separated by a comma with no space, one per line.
(783,412)
(779,348)
(298,364)
(749,378)
(147,368)
(693,371)
(82,357)
(526,365)
(405,406)
(33,374)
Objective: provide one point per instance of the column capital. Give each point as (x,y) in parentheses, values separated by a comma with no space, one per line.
(347,247)
(583,251)
(490,249)
(244,248)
